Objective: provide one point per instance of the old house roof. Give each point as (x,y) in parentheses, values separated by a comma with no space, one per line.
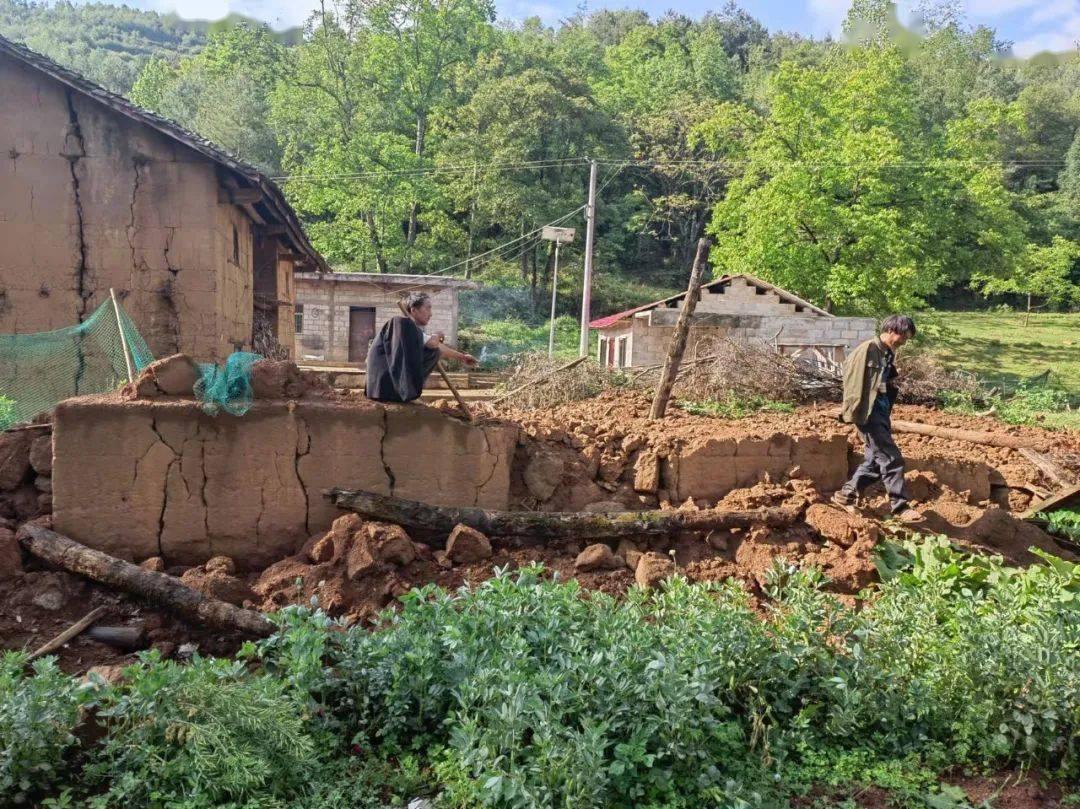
(752,280)
(390,279)
(272,207)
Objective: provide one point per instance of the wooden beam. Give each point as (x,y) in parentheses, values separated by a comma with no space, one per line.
(274,230)
(239,196)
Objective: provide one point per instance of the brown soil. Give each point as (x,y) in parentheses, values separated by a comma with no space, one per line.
(39,605)
(1002,790)
(591,449)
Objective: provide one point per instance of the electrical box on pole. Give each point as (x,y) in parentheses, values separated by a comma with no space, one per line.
(560,236)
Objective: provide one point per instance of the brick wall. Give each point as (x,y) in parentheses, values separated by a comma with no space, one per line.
(326,304)
(742,312)
(122,206)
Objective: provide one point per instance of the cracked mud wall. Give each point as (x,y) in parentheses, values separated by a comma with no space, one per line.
(150,478)
(91,200)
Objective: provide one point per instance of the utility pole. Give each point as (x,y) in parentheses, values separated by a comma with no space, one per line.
(590,230)
(560,236)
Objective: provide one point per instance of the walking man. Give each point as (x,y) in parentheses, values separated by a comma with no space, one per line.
(869,393)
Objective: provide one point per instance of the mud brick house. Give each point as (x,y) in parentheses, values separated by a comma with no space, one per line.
(98,193)
(337,314)
(735,306)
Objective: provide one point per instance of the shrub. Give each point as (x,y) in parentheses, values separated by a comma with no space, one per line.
(536,695)
(38,719)
(204,734)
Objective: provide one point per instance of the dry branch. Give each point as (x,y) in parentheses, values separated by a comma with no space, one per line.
(72,631)
(554,524)
(682,331)
(157,588)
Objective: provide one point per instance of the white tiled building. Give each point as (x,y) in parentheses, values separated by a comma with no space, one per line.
(337,314)
(736,306)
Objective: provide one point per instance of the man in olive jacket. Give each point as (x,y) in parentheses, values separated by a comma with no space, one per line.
(869,393)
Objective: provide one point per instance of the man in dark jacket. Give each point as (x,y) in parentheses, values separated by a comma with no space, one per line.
(402,354)
(869,393)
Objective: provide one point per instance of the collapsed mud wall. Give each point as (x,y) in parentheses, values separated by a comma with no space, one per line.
(161,478)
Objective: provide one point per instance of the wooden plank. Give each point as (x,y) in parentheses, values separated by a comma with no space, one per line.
(1060,499)
(1048,468)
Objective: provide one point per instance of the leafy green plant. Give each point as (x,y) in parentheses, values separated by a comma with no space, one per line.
(1064,523)
(736,407)
(1028,404)
(7,412)
(39,715)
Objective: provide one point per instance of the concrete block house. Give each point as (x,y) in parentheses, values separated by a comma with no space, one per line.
(98,193)
(740,307)
(338,314)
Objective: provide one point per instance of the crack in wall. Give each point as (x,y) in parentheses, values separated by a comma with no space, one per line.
(73,159)
(81,272)
(494,465)
(136,165)
(164,485)
(382,450)
(302,433)
(202,491)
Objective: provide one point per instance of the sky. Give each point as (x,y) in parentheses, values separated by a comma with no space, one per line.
(1031,25)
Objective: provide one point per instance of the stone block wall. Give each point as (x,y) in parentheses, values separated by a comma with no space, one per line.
(160,478)
(90,199)
(708,470)
(326,304)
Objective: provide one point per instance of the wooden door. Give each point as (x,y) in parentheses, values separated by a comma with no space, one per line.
(361,333)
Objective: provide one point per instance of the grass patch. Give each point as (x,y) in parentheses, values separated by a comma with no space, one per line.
(735,407)
(998,346)
(1028,404)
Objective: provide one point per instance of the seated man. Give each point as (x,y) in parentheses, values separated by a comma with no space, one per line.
(869,393)
(402,355)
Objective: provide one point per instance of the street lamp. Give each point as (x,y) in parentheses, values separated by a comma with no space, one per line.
(560,236)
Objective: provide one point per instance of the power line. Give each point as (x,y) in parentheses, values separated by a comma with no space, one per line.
(459,169)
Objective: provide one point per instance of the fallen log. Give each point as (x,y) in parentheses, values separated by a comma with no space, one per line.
(970,436)
(554,524)
(157,588)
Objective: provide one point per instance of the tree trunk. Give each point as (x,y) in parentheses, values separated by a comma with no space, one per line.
(682,330)
(553,525)
(1027,314)
(157,588)
(376,244)
(970,436)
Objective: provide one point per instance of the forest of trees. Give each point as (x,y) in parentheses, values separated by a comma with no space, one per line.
(873,173)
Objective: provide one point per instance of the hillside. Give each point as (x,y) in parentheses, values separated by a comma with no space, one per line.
(107,43)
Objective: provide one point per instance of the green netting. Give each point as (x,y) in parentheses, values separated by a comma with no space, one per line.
(227,388)
(39,370)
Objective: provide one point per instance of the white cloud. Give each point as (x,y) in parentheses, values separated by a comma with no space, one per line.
(1063,37)
(279,13)
(828,15)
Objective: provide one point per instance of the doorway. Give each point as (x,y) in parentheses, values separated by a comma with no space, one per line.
(361,332)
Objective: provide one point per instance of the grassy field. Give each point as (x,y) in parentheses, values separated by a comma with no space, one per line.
(999,347)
